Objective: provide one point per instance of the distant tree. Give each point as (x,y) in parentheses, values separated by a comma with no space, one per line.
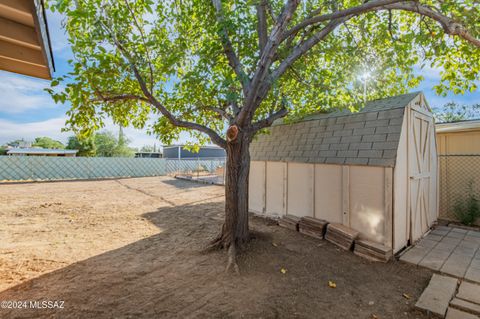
(106,142)
(47,142)
(148,149)
(122,149)
(86,147)
(453,111)
(3,150)
(17,143)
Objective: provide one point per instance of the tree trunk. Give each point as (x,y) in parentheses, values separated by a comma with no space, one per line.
(235,231)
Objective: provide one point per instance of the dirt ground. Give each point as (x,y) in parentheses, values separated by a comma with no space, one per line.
(132,248)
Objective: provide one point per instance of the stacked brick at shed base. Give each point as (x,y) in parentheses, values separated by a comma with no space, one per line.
(373,251)
(289,222)
(340,235)
(312,227)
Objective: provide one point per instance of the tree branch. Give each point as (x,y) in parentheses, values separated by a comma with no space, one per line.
(232,57)
(265,61)
(368,6)
(449,25)
(300,50)
(262,25)
(270,119)
(120,97)
(147,51)
(159,106)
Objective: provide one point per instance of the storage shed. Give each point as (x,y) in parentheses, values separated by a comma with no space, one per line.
(374,171)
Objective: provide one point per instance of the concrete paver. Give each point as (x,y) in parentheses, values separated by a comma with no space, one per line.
(436,297)
(454,234)
(435,258)
(451,240)
(456,265)
(458,314)
(427,242)
(415,254)
(458,230)
(440,232)
(474,233)
(450,250)
(473,272)
(469,292)
(465,306)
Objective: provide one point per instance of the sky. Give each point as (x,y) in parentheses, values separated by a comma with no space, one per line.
(27,111)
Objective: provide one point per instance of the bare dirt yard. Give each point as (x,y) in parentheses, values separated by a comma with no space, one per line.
(132,248)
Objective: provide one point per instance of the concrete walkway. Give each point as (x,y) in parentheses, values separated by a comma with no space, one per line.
(448,250)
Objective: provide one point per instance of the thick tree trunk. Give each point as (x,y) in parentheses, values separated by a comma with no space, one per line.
(235,231)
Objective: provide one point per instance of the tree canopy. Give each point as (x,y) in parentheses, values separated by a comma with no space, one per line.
(86,146)
(452,112)
(203,65)
(47,142)
(101,144)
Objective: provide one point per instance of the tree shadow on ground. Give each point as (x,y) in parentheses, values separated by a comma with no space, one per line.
(183,184)
(168,276)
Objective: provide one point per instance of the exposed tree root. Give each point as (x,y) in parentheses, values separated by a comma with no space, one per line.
(216,244)
(232,260)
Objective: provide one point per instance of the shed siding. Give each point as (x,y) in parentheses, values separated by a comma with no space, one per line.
(256,195)
(300,189)
(328,192)
(275,188)
(400,180)
(367,202)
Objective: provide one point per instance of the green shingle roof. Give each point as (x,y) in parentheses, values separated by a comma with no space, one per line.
(368,137)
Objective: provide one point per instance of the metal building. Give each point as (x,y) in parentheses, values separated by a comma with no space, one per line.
(179,152)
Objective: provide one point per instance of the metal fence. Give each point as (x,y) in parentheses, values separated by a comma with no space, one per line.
(45,168)
(208,170)
(459,179)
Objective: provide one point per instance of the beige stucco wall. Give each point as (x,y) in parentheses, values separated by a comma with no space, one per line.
(467,142)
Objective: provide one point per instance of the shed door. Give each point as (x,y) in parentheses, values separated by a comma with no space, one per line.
(421,173)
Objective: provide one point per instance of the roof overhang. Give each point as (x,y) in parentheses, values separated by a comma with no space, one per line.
(24,40)
(461,126)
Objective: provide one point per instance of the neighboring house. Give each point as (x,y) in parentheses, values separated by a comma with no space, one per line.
(148,154)
(458,146)
(24,39)
(41,152)
(179,152)
(374,171)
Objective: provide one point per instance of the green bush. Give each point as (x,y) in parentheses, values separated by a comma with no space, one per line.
(467,212)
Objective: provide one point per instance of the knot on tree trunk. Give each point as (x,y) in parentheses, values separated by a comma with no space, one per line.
(232,133)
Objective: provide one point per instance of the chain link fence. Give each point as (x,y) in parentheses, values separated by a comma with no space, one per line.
(459,180)
(207,170)
(46,168)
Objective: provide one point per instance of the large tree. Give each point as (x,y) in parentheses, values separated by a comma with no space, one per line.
(226,69)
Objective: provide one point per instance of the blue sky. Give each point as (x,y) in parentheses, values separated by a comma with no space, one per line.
(26,111)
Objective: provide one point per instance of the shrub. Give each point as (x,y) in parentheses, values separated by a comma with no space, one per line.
(467,212)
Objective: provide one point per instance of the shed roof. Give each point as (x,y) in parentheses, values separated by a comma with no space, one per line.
(368,137)
(458,126)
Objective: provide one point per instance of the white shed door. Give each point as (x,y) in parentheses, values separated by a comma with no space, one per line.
(421,173)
